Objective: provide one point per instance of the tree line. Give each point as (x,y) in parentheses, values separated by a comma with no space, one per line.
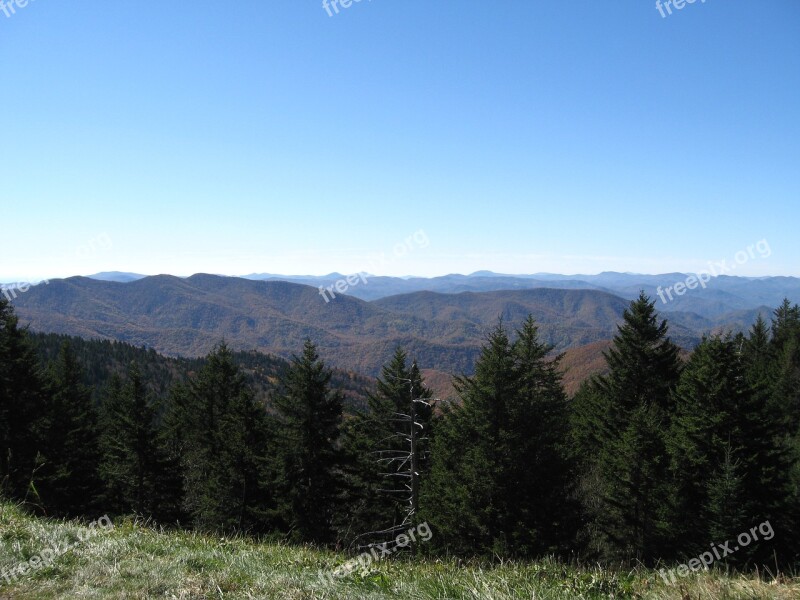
(657,459)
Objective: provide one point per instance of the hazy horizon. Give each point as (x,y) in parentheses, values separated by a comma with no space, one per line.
(255,276)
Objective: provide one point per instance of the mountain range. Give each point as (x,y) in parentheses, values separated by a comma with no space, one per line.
(443,327)
(721,296)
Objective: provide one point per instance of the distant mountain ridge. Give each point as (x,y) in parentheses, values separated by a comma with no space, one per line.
(722,295)
(443,331)
(187,317)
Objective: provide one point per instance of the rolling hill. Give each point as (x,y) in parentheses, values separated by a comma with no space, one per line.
(186,317)
(721,296)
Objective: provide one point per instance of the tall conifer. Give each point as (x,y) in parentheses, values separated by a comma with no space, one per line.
(309,479)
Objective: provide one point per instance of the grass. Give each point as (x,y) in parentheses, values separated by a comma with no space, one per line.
(136,561)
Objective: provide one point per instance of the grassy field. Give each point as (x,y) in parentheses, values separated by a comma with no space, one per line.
(131,560)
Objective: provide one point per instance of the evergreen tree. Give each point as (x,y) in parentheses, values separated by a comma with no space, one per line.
(757,351)
(784,403)
(643,362)
(538,432)
(499,480)
(134,465)
(222,432)
(21,408)
(114,464)
(309,461)
(68,478)
(174,434)
(624,415)
(703,440)
(773,368)
(785,324)
(378,444)
(724,452)
(468,475)
(784,379)
(635,467)
(725,508)
(586,436)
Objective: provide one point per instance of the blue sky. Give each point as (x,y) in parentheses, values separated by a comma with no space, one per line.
(519,136)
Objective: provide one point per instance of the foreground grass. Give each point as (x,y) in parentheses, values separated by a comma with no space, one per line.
(134,561)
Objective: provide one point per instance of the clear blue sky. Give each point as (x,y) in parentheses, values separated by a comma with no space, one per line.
(521,136)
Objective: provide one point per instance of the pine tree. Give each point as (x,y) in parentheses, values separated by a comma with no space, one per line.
(644,364)
(586,438)
(499,481)
(757,350)
(633,468)
(784,379)
(725,508)
(114,464)
(378,443)
(468,477)
(68,478)
(624,416)
(785,323)
(538,432)
(309,461)
(174,434)
(773,368)
(21,408)
(723,450)
(703,437)
(784,403)
(134,465)
(222,432)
